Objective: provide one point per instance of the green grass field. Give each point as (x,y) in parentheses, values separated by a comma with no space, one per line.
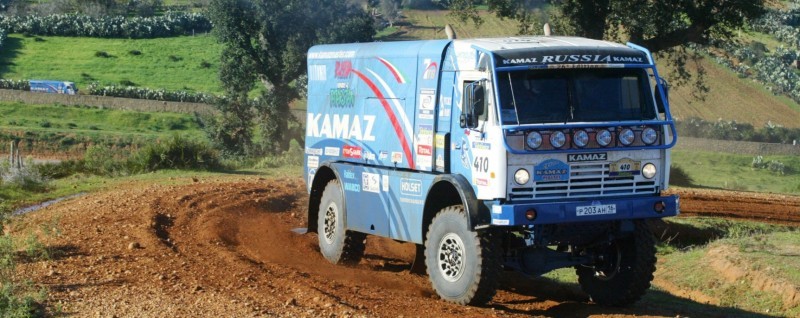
(75,119)
(733,171)
(67,131)
(169,63)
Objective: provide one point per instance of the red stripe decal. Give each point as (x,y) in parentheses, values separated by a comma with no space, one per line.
(391,69)
(396,124)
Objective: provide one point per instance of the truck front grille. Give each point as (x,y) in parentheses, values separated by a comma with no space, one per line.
(585,181)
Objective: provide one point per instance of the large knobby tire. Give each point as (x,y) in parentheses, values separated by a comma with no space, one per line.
(336,244)
(463,265)
(626,271)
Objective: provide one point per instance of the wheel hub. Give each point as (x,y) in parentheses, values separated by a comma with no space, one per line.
(451,257)
(330,223)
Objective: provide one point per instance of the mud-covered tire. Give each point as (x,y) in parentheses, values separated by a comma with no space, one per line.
(462,265)
(336,244)
(626,274)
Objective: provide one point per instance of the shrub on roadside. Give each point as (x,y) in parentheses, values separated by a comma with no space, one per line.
(167,25)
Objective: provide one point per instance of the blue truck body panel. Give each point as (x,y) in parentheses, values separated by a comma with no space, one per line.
(386,118)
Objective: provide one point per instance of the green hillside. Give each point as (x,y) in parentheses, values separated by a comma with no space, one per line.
(169,63)
(730,97)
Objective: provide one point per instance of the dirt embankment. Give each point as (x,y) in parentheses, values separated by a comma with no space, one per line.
(214,248)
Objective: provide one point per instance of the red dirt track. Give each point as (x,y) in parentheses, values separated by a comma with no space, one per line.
(224,248)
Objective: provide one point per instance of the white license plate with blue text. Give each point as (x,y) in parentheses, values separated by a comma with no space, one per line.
(596,209)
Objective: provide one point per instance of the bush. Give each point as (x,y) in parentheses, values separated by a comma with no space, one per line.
(150,94)
(102,54)
(135,52)
(22,85)
(168,25)
(25,178)
(292,157)
(175,153)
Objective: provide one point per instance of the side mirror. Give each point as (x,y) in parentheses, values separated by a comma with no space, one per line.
(474,105)
(661,99)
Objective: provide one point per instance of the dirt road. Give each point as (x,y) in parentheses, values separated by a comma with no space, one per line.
(226,249)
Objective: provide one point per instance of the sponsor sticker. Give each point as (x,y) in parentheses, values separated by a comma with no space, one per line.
(425,114)
(477,145)
(369,155)
(579,157)
(551,170)
(352,187)
(424,150)
(352,152)
(439,162)
(383,154)
(481,182)
(497,209)
(332,151)
(440,141)
(500,222)
(313,162)
(427,99)
(625,168)
(314,151)
(397,157)
(412,187)
(349,174)
(371,182)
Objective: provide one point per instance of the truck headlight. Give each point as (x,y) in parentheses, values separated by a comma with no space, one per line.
(649,136)
(558,139)
(603,137)
(522,176)
(534,140)
(626,136)
(581,138)
(649,171)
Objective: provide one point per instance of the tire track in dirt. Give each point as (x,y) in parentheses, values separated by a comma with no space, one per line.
(225,248)
(764,207)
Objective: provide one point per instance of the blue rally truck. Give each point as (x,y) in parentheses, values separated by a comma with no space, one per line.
(54,87)
(524,153)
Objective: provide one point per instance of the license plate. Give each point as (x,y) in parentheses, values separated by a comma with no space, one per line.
(596,209)
(625,167)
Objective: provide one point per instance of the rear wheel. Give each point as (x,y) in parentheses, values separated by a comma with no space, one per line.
(336,244)
(463,265)
(623,271)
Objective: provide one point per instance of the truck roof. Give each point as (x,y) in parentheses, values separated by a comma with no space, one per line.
(527,42)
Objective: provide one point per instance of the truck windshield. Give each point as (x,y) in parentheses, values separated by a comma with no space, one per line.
(574,95)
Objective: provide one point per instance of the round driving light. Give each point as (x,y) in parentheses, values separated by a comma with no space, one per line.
(558,139)
(581,138)
(649,171)
(626,136)
(522,176)
(603,137)
(659,206)
(649,136)
(530,214)
(534,140)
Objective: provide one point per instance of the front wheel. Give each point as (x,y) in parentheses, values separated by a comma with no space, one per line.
(623,271)
(463,265)
(336,244)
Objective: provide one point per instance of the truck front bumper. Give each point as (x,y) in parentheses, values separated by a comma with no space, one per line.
(514,214)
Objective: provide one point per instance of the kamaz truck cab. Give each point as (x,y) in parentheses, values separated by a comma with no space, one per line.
(525,153)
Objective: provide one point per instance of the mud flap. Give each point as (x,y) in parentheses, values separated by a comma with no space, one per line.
(418,266)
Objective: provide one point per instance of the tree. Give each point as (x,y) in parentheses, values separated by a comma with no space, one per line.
(266,41)
(390,11)
(662,26)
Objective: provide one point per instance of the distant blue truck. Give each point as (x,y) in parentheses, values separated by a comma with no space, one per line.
(54,87)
